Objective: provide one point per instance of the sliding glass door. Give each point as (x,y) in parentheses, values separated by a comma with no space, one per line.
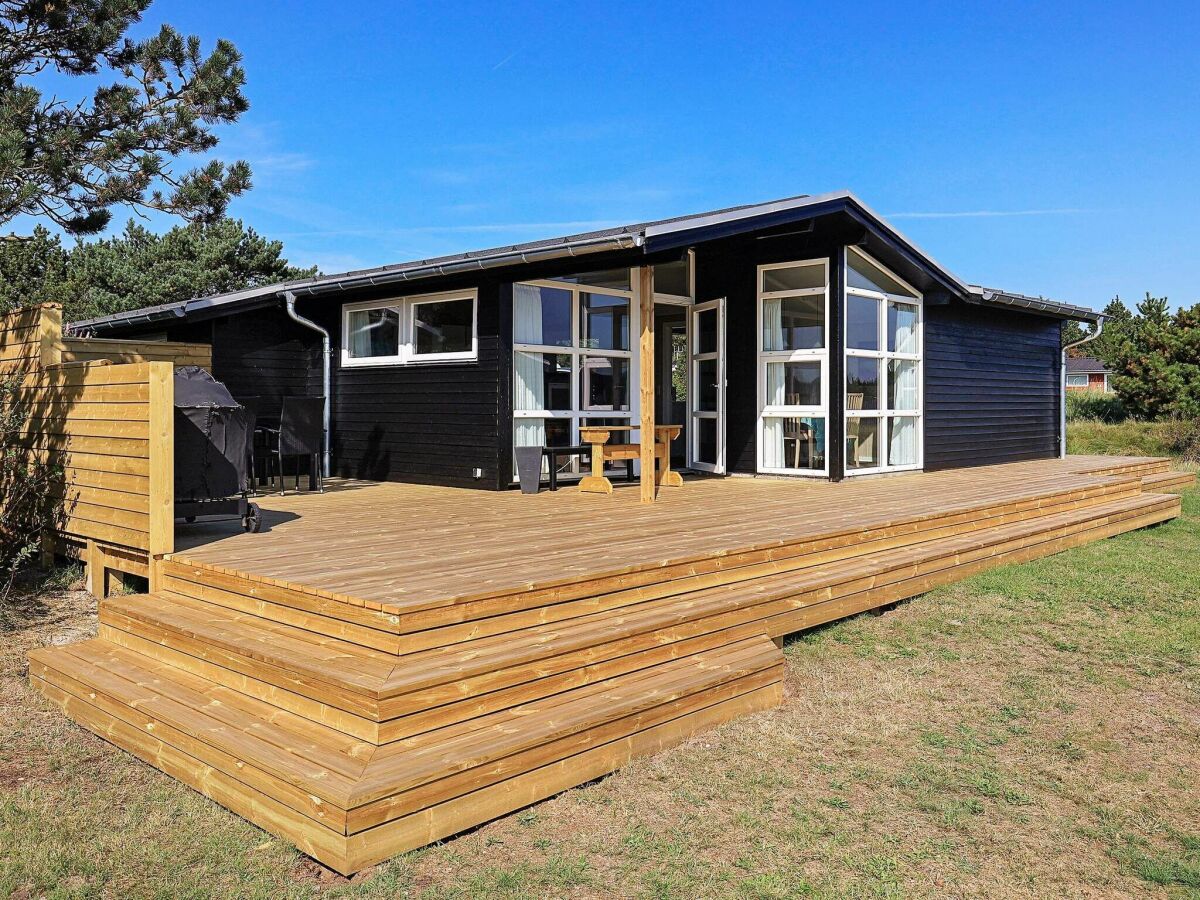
(883,369)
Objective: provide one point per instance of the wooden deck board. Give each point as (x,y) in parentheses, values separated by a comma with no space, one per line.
(407,547)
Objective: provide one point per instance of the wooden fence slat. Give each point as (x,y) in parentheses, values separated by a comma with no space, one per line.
(103,412)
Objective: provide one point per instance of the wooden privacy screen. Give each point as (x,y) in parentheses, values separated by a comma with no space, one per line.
(103,413)
(179,354)
(111,430)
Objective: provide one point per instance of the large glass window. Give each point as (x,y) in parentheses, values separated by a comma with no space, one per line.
(571,356)
(793,367)
(883,368)
(544,382)
(604,321)
(426,328)
(542,316)
(443,326)
(373,333)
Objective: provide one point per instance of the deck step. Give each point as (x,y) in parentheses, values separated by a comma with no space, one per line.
(419,626)
(1150,465)
(413,632)
(351,804)
(1168,481)
(383,697)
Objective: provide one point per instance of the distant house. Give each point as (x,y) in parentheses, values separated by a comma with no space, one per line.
(1086,373)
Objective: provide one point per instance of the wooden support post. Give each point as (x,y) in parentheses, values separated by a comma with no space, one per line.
(162,458)
(646,346)
(50,335)
(94,570)
(155,578)
(47,550)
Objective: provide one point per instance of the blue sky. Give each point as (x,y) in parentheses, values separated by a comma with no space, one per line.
(1052,149)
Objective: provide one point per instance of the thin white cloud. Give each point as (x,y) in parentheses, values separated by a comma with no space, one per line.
(504,62)
(326,262)
(281,163)
(985,213)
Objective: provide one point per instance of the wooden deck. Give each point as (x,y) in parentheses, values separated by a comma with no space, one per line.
(388,664)
(407,547)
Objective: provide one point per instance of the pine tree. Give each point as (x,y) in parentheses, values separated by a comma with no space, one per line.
(1157,363)
(32,270)
(140,268)
(71,162)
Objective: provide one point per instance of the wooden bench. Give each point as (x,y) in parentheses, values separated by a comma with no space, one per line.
(602,452)
(553,454)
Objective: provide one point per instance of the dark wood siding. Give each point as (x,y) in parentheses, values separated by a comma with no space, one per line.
(260,353)
(991,386)
(430,423)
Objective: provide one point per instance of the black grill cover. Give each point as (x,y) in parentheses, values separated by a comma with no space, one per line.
(212,438)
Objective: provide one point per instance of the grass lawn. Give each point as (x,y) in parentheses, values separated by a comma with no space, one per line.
(1031,732)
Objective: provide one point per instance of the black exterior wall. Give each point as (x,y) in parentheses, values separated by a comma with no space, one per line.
(991,386)
(991,376)
(259,353)
(428,423)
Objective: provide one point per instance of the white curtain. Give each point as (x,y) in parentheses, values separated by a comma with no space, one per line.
(360,334)
(902,448)
(904,385)
(527,314)
(529,390)
(772,317)
(906,328)
(772,436)
(775,382)
(531,433)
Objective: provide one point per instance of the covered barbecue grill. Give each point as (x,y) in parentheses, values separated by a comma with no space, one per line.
(213,434)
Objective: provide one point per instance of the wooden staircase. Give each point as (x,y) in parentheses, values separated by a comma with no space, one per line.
(359,730)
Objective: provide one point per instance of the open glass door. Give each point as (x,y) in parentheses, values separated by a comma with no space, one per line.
(706,436)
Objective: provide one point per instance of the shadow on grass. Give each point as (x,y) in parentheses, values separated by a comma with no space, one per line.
(26,604)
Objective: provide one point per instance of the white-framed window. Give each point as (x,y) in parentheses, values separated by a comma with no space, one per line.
(1081,381)
(425,328)
(793,367)
(883,341)
(573,361)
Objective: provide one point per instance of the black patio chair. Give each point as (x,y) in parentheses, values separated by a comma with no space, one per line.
(260,458)
(300,433)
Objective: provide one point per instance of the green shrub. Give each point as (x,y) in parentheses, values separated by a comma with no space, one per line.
(1096,405)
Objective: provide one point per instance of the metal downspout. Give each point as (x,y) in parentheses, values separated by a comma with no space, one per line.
(326,362)
(1062,400)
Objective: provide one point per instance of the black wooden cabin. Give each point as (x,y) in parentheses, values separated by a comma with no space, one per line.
(802,337)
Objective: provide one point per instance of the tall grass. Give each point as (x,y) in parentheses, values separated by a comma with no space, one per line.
(1128,438)
(1097,405)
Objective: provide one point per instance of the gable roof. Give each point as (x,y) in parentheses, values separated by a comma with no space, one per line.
(661,234)
(1086,365)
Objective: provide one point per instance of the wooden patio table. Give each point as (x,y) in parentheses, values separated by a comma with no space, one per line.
(602,451)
